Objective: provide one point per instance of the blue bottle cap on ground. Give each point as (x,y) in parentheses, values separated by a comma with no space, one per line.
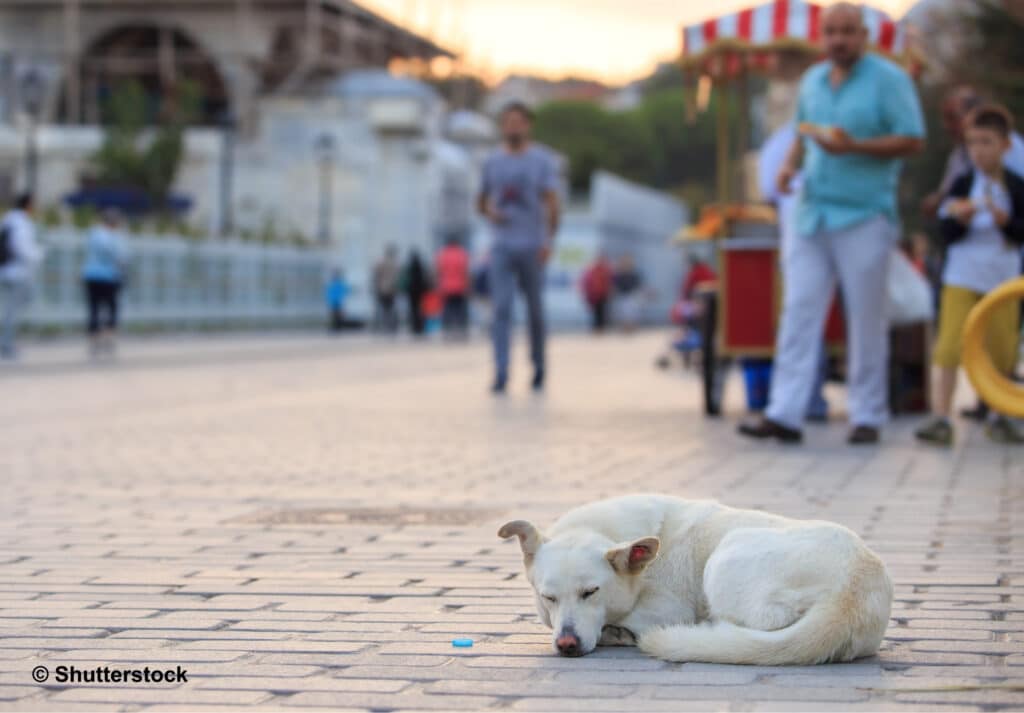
(462,643)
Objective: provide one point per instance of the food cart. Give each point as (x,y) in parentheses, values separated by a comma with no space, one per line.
(721,56)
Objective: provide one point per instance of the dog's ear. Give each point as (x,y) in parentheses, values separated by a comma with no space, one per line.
(633,557)
(530,538)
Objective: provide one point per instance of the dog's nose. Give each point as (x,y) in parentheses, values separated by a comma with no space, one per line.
(568,643)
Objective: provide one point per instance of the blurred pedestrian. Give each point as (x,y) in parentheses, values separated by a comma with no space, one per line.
(983,224)
(20,255)
(453,284)
(519,196)
(958,103)
(597,290)
(415,283)
(771,160)
(858,115)
(386,274)
(335,294)
(103,272)
(628,285)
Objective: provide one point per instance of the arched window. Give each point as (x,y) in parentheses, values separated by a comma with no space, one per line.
(158,59)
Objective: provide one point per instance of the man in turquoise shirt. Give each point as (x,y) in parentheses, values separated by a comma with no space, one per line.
(859,116)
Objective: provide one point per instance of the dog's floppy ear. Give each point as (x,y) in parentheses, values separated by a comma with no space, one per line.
(529,536)
(633,557)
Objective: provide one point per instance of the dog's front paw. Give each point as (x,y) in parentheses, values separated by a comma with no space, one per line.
(617,636)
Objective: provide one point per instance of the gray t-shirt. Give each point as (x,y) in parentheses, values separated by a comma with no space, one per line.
(515,184)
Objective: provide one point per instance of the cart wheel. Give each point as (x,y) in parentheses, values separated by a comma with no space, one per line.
(713,369)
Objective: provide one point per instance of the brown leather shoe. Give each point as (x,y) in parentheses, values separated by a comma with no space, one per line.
(864,436)
(765,428)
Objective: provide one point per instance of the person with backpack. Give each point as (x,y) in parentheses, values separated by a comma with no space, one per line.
(20,254)
(103,277)
(597,288)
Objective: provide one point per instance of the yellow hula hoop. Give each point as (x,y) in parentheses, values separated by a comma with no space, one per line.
(1001,394)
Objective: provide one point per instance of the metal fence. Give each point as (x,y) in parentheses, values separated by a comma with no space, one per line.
(177,282)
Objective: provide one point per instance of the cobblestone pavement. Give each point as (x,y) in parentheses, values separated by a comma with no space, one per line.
(307,524)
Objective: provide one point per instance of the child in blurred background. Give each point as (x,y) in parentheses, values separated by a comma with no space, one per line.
(983,224)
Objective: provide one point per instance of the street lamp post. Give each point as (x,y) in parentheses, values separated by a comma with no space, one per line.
(326,156)
(229,128)
(31,91)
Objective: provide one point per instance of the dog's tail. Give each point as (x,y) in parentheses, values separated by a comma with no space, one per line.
(826,632)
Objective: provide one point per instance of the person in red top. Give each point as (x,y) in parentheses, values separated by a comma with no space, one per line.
(700,275)
(453,285)
(597,288)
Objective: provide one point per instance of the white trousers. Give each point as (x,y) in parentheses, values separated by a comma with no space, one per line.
(859,257)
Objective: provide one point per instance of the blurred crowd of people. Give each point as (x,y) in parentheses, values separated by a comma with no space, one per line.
(104,272)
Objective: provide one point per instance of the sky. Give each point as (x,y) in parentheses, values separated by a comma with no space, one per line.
(610,40)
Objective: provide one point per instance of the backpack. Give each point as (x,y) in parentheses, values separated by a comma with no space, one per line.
(6,249)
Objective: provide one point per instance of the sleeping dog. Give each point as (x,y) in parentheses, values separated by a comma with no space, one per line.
(693,580)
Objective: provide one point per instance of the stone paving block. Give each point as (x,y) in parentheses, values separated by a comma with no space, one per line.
(549,662)
(584,704)
(963,647)
(436,673)
(182,694)
(665,677)
(280,685)
(42,704)
(1009,697)
(517,689)
(758,693)
(154,655)
(396,701)
(276,645)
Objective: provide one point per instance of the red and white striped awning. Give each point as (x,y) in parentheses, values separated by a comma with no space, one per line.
(782,24)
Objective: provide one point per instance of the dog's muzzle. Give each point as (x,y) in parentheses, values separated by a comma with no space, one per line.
(568,643)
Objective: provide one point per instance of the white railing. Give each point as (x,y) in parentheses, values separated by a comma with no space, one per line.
(175,281)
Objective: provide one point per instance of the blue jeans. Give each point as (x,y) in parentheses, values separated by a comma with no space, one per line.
(15,296)
(511,267)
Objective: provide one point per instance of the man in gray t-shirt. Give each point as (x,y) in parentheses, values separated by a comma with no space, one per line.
(519,196)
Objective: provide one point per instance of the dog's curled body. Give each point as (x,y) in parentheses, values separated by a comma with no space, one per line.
(699,581)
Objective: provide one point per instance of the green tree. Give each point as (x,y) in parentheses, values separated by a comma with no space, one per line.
(130,158)
(593,139)
(993,53)
(653,144)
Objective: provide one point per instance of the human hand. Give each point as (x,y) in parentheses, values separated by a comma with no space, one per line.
(1001,217)
(962,210)
(836,141)
(545,253)
(784,181)
(930,204)
(494,215)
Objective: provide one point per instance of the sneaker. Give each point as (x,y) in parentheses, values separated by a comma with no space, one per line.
(979,413)
(864,436)
(764,428)
(1002,430)
(938,432)
(498,387)
(538,380)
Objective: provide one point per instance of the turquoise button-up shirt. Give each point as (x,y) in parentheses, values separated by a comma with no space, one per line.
(877,99)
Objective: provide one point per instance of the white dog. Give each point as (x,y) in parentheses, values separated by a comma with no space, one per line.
(697,581)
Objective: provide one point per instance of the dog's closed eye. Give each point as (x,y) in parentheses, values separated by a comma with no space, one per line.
(551,599)
(586,594)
